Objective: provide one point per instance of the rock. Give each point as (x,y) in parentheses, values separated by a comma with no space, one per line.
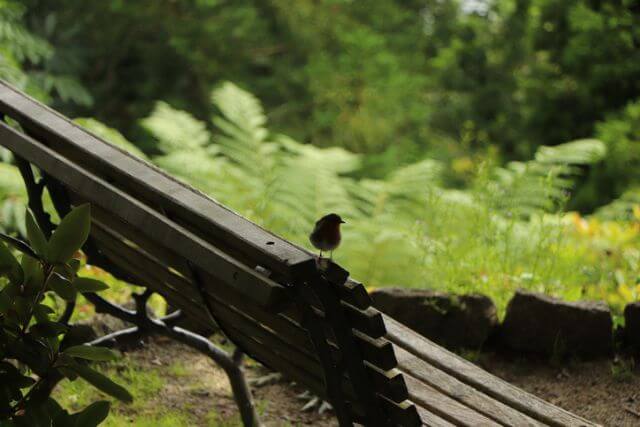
(537,323)
(632,325)
(450,320)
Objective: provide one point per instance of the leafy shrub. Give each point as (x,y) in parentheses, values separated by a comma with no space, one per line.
(35,350)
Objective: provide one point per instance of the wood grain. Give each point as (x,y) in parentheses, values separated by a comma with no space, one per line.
(470,374)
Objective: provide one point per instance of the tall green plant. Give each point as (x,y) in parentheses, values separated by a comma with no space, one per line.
(35,351)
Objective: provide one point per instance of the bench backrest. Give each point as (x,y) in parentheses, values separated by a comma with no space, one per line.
(264,292)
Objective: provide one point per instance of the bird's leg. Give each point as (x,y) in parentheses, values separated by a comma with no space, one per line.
(320,254)
(330,256)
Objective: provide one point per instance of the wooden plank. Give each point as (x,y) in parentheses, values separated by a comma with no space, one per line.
(472,375)
(153,280)
(444,406)
(432,420)
(391,383)
(355,294)
(412,366)
(276,362)
(155,226)
(151,184)
(378,351)
(368,321)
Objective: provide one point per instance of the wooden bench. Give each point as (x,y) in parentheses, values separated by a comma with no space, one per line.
(265,293)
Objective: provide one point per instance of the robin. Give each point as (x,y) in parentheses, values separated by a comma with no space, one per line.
(326,234)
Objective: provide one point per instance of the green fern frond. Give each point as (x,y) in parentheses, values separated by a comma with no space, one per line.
(175,129)
(624,208)
(579,152)
(542,184)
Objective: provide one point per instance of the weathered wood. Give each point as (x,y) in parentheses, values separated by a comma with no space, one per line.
(378,351)
(470,374)
(432,420)
(368,321)
(355,294)
(444,406)
(151,184)
(391,383)
(155,226)
(412,366)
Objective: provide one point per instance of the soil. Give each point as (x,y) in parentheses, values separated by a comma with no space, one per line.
(204,386)
(605,391)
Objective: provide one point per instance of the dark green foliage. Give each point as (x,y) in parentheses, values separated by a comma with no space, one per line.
(394,80)
(32,347)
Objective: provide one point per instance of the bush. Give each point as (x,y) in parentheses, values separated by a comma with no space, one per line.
(35,350)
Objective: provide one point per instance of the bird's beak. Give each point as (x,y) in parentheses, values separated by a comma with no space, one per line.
(343,222)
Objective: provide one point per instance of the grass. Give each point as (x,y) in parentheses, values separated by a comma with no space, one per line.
(147,384)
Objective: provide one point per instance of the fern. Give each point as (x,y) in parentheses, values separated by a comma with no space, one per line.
(19,47)
(174,129)
(18,41)
(542,184)
(624,208)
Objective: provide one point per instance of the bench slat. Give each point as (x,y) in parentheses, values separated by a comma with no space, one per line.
(470,374)
(432,420)
(414,367)
(444,406)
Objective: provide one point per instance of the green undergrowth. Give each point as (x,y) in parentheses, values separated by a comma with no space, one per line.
(148,385)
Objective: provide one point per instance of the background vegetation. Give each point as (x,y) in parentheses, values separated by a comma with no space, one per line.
(471,145)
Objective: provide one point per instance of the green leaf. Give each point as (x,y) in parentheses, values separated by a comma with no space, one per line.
(41,312)
(84,284)
(35,235)
(33,274)
(102,383)
(61,286)
(70,235)
(93,414)
(12,375)
(48,329)
(9,265)
(88,352)
(75,264)
(5,302)
(68,372)
(18,244)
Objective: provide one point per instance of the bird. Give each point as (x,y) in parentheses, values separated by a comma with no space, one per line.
(326,234)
